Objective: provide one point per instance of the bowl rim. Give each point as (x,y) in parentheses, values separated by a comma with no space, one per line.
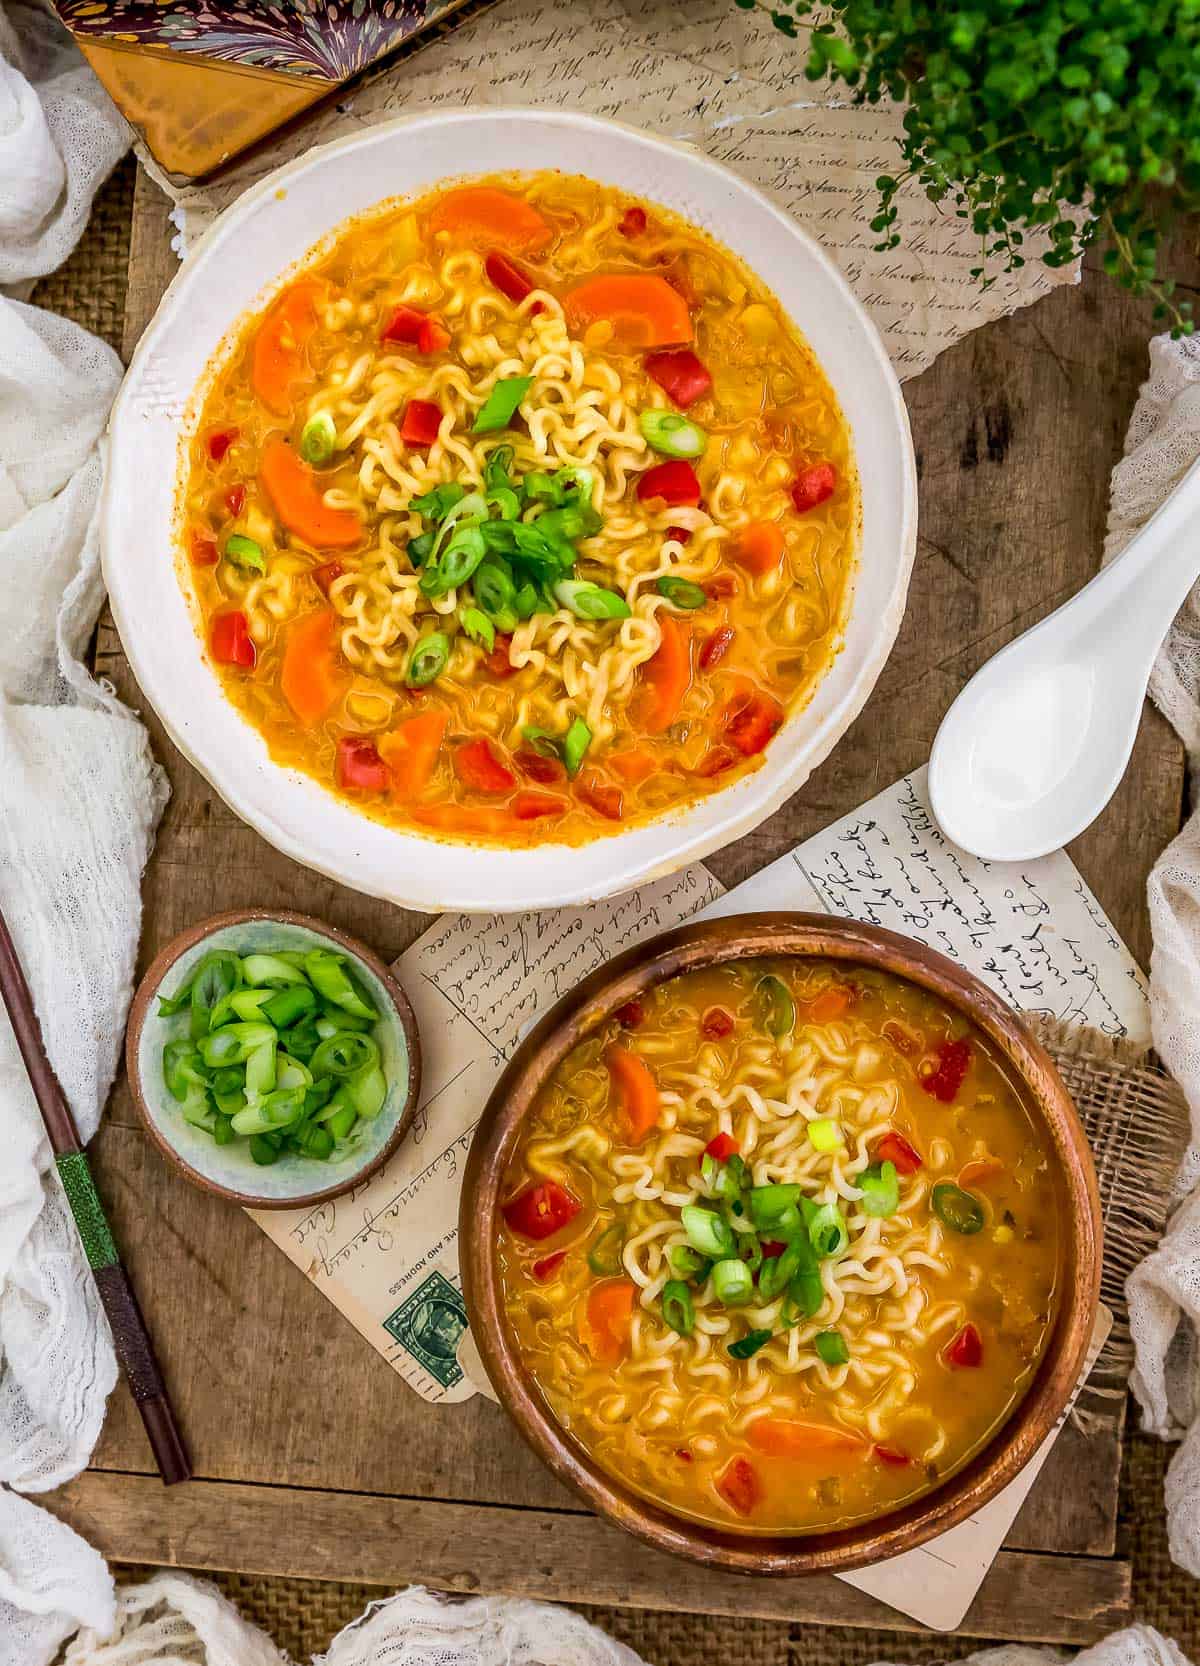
(152,980)
(1029,1422)
(640,854)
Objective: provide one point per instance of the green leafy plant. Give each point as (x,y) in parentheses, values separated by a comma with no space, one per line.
(1076,118)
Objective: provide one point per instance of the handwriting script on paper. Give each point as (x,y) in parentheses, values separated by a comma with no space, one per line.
(725,81)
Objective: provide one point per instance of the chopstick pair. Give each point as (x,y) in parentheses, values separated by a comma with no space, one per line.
(130,1336)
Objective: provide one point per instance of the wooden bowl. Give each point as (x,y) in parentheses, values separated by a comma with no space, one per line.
(229,1171)
(1031,1420)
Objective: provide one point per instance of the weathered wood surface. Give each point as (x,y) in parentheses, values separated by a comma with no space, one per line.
(1016,430)
(567,1553)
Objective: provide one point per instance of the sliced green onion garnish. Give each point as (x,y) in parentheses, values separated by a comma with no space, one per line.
(436,504)
(245,553)
(479,627)
(318,439)
(590,601)
(428,659)
(958,1210)
(319,1142)
(501,404)
(604,1257)
(541,741)
(804,1297)
(831,1347)
(732,1282)
(747,1346)
(725,1179)
(328,975)
(706,1230)
(286,1005)
(271,970)
(575,744)
(344,1055)
(824,1134)
(684,1262)
(827,1230)
(681,592)
(880,1189)
(367,1091)
(771,1204)
(776,1011)
(421,548)
(672,434)
(494,592)
(261,1069)
(262,1150)
(677,1307)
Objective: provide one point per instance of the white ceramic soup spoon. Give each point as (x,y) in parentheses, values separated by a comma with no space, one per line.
(1036,744)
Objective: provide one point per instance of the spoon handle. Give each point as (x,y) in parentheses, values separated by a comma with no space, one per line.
(1161,563)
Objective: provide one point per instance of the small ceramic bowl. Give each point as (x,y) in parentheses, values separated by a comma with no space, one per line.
(228,1170)
(751,936)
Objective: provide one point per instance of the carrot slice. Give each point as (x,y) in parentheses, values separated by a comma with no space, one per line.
(638,1090)
(759,547)
(278,360)
(668,675)
(483,214)
(312,678)
(411,752)
(780,1437)
(300,503)
(634,766)
(642,308)
(608,1319)
(980,1171)
(829,1004)
(465,818)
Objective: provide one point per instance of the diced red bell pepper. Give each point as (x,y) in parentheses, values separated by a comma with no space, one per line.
(944,1078)
(680,534)
(894,1148)
(965,1348)
(533,806)
(536,767)
(235,500)
(722,1147)
(545,1269)
(203,549)
(357,765)
(772,1247)
(751,722)
(739,1486)
(497,660)
(324,575)
(675,482)
(433,337)
(541,1210)
(404,325)
(716,761)
(422,419)
(891,1455)
(716,1024)
(509,279)
(630,1015)
(716,647)
(232,643)
(681,376)
(219,440)
(605,800)
(813,485)
(478,767)
(633,222)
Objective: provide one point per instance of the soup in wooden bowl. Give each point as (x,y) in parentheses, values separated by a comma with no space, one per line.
(782,1243)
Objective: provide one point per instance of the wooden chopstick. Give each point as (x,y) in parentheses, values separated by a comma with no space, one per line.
(134,1348)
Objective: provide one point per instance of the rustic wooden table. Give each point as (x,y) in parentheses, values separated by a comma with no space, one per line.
(313,1459)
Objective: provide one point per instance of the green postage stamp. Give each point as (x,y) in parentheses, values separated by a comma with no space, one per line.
(429,1324)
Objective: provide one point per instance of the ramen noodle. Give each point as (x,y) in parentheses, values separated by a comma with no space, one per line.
(522,513)
(780,1244)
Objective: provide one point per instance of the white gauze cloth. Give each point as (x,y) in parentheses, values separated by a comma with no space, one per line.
(176,1621)
(79,802)
(1164,1292)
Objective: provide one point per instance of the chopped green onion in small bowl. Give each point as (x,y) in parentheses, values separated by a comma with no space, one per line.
(274,1060)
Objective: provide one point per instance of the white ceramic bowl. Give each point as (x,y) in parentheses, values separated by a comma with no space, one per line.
(235,267)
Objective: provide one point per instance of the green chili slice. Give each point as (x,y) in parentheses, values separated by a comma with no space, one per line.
(245,553)
(604,1257)
(733,1282)
(501,404)
(958,1210)
(671,434)
(590,601)
(428,659)
(318,439)
(678,1310)
(880,1189)
(706,1231)
(831,1347)
(775,1011)
(747,1346)
(681,592)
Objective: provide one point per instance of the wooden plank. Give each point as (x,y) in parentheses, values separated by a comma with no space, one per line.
(567,1556)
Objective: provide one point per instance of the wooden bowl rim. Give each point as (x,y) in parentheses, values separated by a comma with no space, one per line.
(148,988)
(1014,1443)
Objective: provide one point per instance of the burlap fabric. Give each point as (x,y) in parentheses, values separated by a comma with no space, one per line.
(1135,1123)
